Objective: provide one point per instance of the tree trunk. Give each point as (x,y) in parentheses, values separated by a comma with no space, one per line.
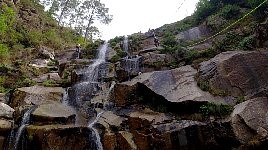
(89,22)
(63,10)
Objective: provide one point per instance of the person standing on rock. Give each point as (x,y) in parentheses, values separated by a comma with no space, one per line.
(78,50)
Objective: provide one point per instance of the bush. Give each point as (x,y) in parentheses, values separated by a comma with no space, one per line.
(211,109)
(4,54)
(204,8)
(50,83)
(230,11)
(247,43)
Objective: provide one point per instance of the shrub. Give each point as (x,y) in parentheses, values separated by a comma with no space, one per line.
(230,11)
(4,53)
(204,8)
(247,43)
(50,83)
(211,109)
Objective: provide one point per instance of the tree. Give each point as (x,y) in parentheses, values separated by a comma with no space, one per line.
(66,7)
(94,10)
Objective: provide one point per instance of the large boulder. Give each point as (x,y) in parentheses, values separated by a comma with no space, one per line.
(168,90)
(156,61)
(238,73)
(6,111)
(53,114)
(193,34)
(249,120)
(58,137)
(36,95)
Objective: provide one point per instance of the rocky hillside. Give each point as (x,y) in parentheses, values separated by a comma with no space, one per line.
(182,94)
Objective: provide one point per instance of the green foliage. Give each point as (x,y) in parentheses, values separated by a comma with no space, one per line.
(4,53)
(90,50)
(7,18)
(204,8)
(116,40)
(247,43)
(25,82)
(229,42)
(240,99)
(50,83)
(211,109)
(191,55)
(203,84)
(230,11)
(169,39)
(115,58)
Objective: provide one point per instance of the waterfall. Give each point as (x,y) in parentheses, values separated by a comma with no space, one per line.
(95,132)
(89,85)
(125,45)
(25,121)
(65,98)
(131,64)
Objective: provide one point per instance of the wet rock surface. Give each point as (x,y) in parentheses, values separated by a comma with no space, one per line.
(53,114)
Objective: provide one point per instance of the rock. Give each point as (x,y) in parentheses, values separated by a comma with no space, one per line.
(128,67)
(111,54)
(109,141)
(249,120)
(59,137)
(238,73)
(48,76)
(126,141)
(146,118)
(36,95)
(46,53)
(53,114)
(157,61)
(2,142)
(164,90)
(6,111)
(193,33)
(3,97)
(111,121)
(6,126)
(199,47)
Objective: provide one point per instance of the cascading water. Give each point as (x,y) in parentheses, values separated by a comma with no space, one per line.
(89,85)
(125,45)
(95,132)
(25,121)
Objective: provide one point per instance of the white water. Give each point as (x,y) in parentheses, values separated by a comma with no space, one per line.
(125,45)
(95,132)
(89,84)
(25,121)
(65,98)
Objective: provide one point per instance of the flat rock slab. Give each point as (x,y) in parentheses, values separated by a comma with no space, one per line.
(36,95)
(175,86)
(53,114)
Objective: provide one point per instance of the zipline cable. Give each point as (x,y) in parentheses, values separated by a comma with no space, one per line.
(229,25)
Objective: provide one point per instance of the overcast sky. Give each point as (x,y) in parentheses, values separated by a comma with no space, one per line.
(132,16)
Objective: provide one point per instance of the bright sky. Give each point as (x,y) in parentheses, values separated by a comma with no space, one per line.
(132,16)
